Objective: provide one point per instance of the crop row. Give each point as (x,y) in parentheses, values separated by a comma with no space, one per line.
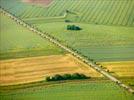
(113,12)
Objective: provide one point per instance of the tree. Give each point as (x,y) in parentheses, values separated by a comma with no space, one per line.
(48,78)
(77,28)
(68,27)
(79,76)
(76,76)
(73,27)
(57,77)
(82,76)
(67,76)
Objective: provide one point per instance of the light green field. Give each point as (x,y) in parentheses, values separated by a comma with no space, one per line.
(78,91)
(106,12)
(101,43)
(17,41)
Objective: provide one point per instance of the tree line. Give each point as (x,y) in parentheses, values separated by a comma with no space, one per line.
(59,77)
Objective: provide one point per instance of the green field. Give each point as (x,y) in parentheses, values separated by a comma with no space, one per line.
(106,12)
(17,41)
(77,91)
(128,81)
(101,43)
(107,35)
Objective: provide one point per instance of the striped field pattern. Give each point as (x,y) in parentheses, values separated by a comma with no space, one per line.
(106,12)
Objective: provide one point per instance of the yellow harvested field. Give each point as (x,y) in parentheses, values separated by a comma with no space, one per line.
(120,69)
(25,70)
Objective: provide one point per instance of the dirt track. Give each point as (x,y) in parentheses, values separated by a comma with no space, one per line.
(33,69)
(87,62)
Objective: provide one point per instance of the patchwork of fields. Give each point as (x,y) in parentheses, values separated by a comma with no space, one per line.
(106,38)
(17,41)
(124,70)
(107,12)
(101,43)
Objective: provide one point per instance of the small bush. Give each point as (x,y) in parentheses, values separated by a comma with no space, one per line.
(67,20)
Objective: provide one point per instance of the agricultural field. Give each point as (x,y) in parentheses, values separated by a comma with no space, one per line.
(106,12)
(17,41)
(121,68)
(26,70)
(105,38)
(124,70)
(99,42)
(73,91)
(129,81)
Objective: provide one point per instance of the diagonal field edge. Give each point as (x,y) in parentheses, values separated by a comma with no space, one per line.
(75,54)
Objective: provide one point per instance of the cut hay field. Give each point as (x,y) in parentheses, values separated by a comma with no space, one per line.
(106,12)
(123,70)
(25,70)
(106,37)
(73,91)
(16,41)
(99,42)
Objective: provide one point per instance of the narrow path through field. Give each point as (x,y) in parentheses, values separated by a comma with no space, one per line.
(53,40)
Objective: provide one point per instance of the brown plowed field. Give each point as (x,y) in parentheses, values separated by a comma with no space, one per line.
(43,2)
(25,70)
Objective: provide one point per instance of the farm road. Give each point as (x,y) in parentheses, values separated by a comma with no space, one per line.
(53,40)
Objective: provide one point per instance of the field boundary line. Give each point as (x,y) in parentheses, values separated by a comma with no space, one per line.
(43,18)
(51,84)
(71,51)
